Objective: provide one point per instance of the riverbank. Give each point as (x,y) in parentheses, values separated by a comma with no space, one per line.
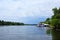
(2,22)
(54,21)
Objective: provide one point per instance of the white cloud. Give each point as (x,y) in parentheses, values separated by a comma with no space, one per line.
(27,8)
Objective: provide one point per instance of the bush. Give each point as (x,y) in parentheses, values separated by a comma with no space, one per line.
(55,23)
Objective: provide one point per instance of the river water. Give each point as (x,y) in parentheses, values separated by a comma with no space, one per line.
(28,33)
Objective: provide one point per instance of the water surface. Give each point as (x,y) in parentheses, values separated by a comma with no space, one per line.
(26,33)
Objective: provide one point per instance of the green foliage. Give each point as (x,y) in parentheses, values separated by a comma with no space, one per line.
(55,22)
(55,19)
(10,23)
(47,21)
(57,16)
(55,10)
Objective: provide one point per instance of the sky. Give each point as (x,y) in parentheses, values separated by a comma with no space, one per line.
(27,11)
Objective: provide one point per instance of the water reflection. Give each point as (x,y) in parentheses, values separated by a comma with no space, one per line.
(48,31)
(54,33)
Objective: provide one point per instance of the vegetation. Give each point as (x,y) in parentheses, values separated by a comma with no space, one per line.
(47,21)
(10,23)
(55,20)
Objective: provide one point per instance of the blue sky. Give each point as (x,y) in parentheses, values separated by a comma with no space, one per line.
(27,11)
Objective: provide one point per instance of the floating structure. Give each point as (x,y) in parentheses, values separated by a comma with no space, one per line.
(46,25)
(42,25)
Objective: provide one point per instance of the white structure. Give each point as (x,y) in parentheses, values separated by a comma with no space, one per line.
(43,25)
(46,25)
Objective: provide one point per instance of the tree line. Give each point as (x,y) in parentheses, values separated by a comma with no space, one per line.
(55,19)
(2,22)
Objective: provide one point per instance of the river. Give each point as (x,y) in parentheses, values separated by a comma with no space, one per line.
(28,33)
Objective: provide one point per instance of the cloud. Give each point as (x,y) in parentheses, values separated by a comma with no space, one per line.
(17,9)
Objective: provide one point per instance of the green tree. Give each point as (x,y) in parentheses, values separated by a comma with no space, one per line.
(55,21)
(47,21)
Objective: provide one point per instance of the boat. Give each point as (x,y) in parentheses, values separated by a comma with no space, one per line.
(43,25)
(40,25)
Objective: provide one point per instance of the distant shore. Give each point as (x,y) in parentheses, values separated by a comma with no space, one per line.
(9,23)
(2,22)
